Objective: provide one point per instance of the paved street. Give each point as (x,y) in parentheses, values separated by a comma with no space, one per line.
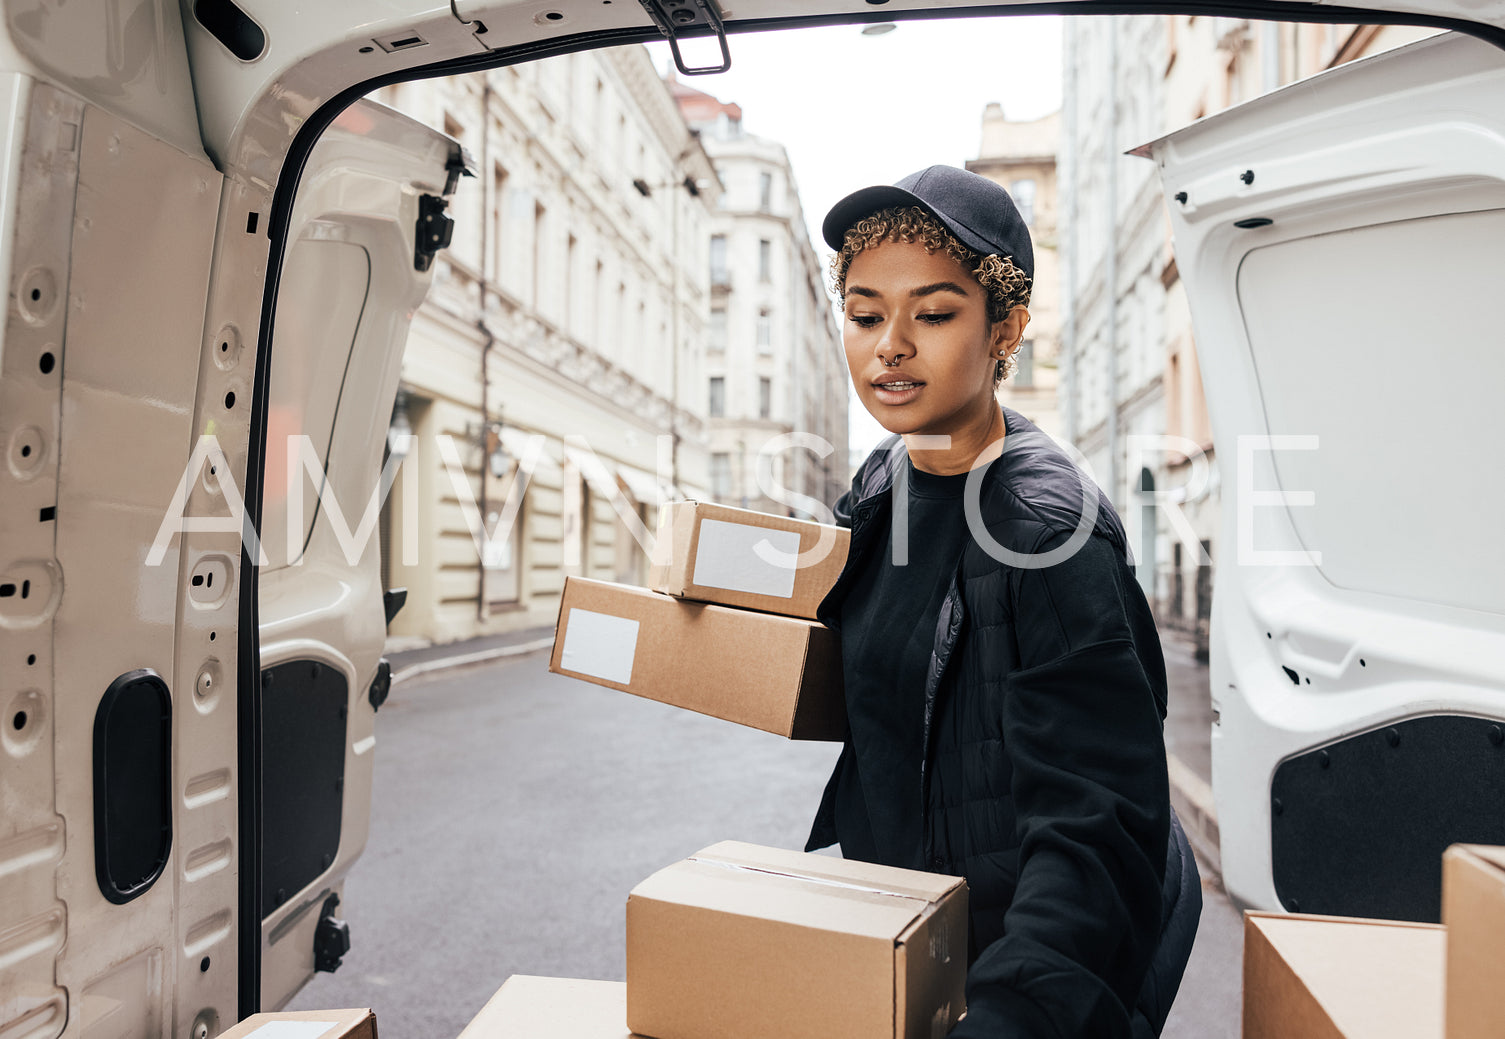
(514,809)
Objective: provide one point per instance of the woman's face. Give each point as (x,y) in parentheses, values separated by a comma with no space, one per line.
(926,316)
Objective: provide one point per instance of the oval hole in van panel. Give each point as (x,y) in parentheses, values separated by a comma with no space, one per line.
(132,777)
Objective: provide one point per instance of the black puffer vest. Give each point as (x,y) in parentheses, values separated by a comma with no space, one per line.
(1022,767)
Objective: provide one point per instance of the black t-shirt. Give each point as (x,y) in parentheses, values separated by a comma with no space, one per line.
(887,632)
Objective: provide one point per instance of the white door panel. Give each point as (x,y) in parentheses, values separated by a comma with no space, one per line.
(1349,349)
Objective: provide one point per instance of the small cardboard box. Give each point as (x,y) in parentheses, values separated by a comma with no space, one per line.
(779,674)
(737,557)
(556,1008)
(304,1024)
(741,941)
(1473,910)
(1330,977)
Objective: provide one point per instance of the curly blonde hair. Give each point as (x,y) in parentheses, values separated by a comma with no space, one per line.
(1006,286)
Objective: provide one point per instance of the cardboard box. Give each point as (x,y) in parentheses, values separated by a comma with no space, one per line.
(306,1024)
(741,941)
(1328,977)
(1473,910)
(556,1008)
(779,674)
(737,557)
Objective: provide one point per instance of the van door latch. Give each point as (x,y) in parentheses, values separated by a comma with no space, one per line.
(672,21)
(331,937)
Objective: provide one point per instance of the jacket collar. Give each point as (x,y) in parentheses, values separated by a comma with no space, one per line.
(1033,478)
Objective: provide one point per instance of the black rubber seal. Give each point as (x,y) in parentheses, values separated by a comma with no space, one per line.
(276,228)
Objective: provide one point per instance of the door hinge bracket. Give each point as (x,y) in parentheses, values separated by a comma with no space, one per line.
(435,230)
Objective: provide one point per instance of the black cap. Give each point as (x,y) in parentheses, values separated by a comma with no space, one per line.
(976,210)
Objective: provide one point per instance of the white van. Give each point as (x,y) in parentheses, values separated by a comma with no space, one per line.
(209,240)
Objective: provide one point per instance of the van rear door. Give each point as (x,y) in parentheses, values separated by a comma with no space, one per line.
(1343,242)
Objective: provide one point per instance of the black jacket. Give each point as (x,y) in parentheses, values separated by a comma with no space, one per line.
(1044,775)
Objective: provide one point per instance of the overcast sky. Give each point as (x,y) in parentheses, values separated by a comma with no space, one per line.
(855,110)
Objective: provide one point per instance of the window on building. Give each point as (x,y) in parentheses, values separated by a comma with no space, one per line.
(727,128)
(765,260)
(1024,197)
(571,254)
(632,561)
(498,219)
(500,572)
(598,110)
(453,127)
(765,331)
(574,515)
(618,329)
(721,475)
(765,192)
(1024,374)
(640,333)
(540,251)
(765,397)
(716,406)
(716,333)
(598,305)
(718,260)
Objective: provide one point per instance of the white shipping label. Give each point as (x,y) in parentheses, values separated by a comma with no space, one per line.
(744,558)
(599,645)
(293,1029)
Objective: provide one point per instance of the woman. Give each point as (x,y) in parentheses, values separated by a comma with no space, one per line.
(1005,688)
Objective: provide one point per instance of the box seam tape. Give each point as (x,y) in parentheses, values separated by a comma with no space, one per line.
(825,881)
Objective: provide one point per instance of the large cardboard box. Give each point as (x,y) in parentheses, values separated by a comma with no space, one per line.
(779,674)
(553,1008)
(737,557)
(1328,977)
(741,941)
(1473,910)
(307,1024)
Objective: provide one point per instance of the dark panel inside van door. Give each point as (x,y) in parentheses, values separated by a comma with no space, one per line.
(303,713)
(1358,827)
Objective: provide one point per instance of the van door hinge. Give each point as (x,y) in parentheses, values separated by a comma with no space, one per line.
(674,17)
(435,229)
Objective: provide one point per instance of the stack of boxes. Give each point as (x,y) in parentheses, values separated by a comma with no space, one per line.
(740,940)
(728,628)
(1341,978)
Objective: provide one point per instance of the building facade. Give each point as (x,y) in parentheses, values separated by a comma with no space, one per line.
(1131,394)
(553,378)
(1021,156)
(773,364)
